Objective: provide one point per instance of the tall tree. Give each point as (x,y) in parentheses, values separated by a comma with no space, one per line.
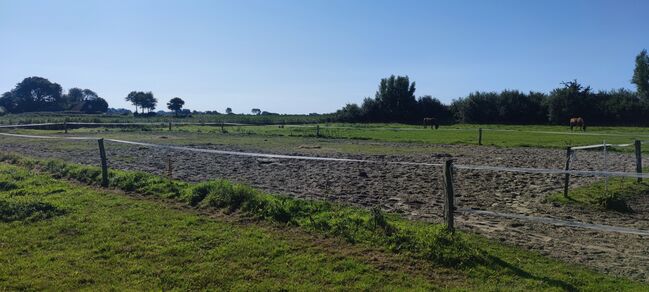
(396,99)
(149,102)
(641,74)
(134,98)
(572,100)
(143,100)
(256,111)
(34,94)
(228,111)
(176,105)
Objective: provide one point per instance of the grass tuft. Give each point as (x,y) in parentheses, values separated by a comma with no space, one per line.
(27,211)
(596,195)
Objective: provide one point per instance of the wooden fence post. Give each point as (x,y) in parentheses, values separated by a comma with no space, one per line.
(638,158)
(169,167)
(449,198)
(479,136)
(104,163)
(169,126)
(222,129)
(65,127)
(317,130)
(566,178)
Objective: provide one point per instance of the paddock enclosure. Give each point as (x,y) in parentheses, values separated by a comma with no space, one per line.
(500,192)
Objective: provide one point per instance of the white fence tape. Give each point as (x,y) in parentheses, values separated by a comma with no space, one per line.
(559,222)
(600,146)
(156,123)
(49,137)
(316,158)
(29,125)
(554,171)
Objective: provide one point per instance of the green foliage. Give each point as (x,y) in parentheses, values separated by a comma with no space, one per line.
(641,74)
(395,101)
(175,104)
(33,94)
(36,94)
(143,100)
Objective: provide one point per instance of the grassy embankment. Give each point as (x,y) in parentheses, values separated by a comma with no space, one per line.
(59,235)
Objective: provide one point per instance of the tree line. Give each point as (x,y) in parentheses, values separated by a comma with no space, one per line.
(35,94)
(395,101)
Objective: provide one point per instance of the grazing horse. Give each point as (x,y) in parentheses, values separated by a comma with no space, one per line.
(577,122)
(432,122)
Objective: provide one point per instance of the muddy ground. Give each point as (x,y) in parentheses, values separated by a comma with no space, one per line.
(416,191)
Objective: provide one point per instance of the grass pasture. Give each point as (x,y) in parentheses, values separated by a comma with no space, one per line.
(492,135)
(99,240)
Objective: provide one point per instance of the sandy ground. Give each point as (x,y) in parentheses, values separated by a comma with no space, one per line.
(416,191)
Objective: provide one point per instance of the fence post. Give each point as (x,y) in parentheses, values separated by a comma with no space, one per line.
(169,167)
(317,130)
(449,198)
(566,179)
(222,129)
(169,126)
(638,158)
(104,163)
(479,136)
(65,127)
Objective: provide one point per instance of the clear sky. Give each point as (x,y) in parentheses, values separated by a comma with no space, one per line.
(316,55)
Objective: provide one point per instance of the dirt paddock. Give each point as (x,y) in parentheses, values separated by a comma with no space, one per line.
(416,191)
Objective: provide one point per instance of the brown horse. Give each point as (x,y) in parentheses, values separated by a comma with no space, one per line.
(577,122)
(432,122)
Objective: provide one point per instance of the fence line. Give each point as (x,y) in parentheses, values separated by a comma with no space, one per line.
(537,219)
(318,158)
(30,125)
(558,222)
(601,146)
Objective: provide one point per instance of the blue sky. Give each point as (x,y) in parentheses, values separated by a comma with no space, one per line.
(315,55)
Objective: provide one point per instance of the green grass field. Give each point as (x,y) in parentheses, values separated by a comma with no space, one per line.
(345,138)
(62,236)
(305,126)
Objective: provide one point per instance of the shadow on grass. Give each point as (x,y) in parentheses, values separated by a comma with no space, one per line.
(498,262)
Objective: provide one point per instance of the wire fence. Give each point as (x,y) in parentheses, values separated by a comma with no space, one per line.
(358,163)
(499,193)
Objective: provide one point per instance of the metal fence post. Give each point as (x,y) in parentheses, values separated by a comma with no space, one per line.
(566,179)
(638,158)
(449,198)
(104,163)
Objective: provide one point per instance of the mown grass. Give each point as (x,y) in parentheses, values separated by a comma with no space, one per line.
(615,197)
(483,263)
